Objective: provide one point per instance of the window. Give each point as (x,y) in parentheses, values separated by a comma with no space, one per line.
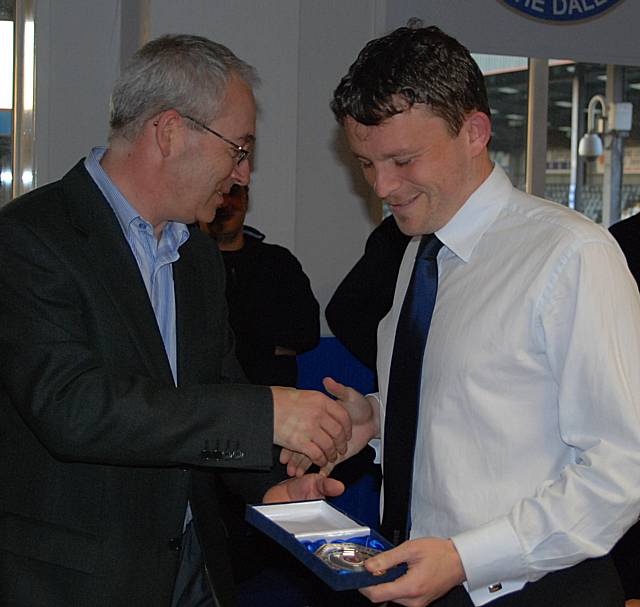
(6,98)
(17,94)
(569,180)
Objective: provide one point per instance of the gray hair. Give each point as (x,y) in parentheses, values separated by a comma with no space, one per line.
(181,72)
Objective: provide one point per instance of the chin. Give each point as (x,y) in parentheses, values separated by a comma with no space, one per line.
(412,226)
(408,227)
(207,217)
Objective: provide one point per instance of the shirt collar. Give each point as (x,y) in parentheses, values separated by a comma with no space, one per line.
(126,214)
(465,229)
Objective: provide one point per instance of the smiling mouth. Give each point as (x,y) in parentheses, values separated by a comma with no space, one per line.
(402,205)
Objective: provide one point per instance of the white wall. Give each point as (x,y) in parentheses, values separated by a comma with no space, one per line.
(265,34)
(306,194)
(302,196)
(77,62)
(334,210)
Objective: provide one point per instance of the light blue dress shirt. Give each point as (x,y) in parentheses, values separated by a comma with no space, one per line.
(154,257)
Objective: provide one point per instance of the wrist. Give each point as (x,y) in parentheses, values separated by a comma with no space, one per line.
(457,568)
(374,425)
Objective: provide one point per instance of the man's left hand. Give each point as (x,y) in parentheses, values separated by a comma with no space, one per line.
(307,487)
(434,567)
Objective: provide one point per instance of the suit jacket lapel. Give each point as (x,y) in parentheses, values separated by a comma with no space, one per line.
(189,299)
(115,266)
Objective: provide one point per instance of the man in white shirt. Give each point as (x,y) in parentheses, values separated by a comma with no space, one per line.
(527,462)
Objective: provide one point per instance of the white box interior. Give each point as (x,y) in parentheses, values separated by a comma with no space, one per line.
(312,520)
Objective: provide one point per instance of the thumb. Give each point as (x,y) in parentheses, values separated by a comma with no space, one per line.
(335,388)
(387,559)
(329,487)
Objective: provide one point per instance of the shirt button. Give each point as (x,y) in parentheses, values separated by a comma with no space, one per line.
(175,543)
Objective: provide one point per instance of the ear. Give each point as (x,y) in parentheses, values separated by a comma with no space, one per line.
(169,131)
(478,127)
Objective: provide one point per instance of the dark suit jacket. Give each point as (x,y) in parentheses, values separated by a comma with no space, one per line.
(99,451)
(627,233)
(626,553)
(365,295)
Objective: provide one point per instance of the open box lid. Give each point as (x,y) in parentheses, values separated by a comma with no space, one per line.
(312,520)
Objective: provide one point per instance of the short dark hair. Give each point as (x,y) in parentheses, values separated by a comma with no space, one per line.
(409,66)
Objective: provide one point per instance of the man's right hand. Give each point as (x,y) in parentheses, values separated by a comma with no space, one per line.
(364,413)
(311,423)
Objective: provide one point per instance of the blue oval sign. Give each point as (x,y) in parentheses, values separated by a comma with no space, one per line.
(561,10)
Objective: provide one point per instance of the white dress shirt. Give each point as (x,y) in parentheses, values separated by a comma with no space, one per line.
(528,439)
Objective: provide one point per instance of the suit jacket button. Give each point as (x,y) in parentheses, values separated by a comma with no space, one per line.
(175,543)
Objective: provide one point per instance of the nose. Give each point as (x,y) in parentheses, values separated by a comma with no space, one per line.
(241,173)
(385,182)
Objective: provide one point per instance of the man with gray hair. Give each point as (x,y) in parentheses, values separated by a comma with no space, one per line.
(123,407)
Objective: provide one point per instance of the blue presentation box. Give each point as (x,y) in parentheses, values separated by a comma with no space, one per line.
(303,527)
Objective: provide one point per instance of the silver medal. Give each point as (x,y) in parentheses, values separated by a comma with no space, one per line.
(345,555)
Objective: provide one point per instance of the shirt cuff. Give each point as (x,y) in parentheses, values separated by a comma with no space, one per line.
(492,559)
(375,443)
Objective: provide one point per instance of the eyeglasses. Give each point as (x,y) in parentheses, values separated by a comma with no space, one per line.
(241,153)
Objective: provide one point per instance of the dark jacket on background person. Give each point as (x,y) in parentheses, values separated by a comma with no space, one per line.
(626,553)
(365,295)
(270,304)
(627,233)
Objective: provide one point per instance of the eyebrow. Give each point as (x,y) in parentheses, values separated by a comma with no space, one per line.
(401,152)
(391,155)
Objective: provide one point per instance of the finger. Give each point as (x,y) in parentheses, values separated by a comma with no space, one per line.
(315,452)
(336,431)
(285,455)
(292,469)
(341,416)
(327,470)
(325,443)
(298,464)
(329,487)
(387,559)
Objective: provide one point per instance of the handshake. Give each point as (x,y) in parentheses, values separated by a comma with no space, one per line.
(315,429)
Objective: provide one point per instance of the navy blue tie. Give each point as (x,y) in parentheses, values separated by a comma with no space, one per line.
(403,395)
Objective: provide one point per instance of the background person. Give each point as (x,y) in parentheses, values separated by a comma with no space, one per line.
(274,316)
(626,553)
(627,233)
(272,310)
(365,294)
